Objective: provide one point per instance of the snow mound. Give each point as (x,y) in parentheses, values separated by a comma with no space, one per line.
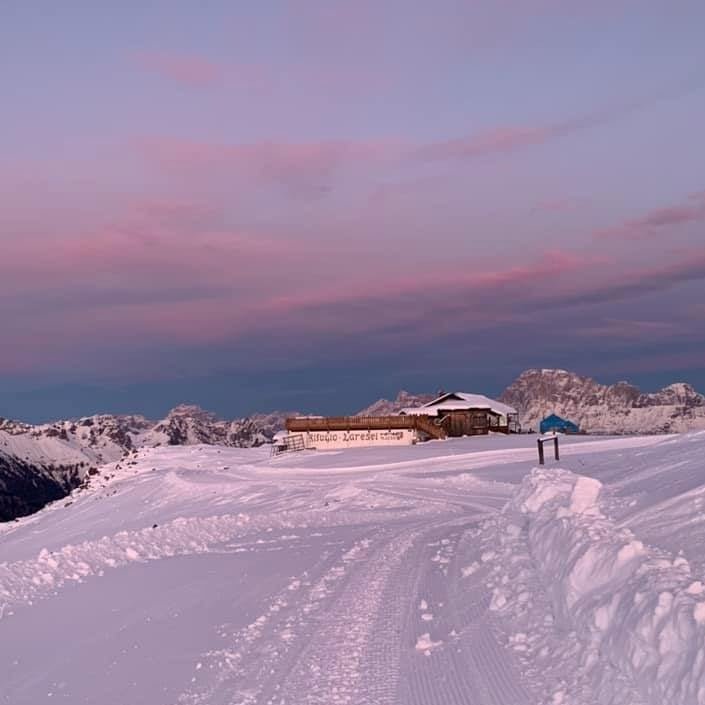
(633,607)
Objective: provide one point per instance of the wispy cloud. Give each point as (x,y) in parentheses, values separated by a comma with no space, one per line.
(510,138)
(185,69)
(300,168)
(657,220)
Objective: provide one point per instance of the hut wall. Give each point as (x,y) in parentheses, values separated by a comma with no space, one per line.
(467,422)
(329,440)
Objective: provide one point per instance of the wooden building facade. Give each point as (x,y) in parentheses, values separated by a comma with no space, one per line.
(450,415)
(469,414)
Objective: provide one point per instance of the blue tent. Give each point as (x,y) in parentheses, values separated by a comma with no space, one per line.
(559,425)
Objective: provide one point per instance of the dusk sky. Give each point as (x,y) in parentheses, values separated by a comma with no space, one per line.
(307,205)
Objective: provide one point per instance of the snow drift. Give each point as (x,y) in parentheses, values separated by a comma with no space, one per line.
(633,607)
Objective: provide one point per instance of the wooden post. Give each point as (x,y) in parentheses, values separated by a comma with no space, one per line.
(541,441)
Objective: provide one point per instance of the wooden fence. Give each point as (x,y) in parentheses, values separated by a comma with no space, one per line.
(429,425)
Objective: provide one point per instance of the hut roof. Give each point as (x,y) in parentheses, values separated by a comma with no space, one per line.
(462,400)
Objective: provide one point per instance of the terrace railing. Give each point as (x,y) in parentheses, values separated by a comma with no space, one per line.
(427,424)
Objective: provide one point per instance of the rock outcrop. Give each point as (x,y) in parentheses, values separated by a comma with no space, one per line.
(386,407)
(597,408)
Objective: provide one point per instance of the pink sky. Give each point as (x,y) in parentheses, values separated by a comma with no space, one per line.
(252,191)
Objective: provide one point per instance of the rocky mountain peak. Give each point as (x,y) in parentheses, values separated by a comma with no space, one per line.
(386,407)
(192,411)
(679,393)
(598,408)
(14,427)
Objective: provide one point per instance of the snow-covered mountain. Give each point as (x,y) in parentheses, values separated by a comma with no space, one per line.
(615,409)
(104,438)
(598,408)
(386,407)
(42,463)
(35,471)
(191,425)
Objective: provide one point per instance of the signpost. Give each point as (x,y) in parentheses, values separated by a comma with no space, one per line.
(542,440)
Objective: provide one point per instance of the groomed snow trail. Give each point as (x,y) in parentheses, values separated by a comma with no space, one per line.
(352,631)
(206,576)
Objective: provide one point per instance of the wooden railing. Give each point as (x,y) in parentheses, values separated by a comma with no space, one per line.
(436,428)
(426,424)
(288,444)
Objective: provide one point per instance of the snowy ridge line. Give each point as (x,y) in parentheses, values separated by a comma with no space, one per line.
(631,607)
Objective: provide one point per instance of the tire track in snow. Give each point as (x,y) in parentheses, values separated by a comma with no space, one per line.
(260,657)
(437,674)
(331,669)
(457,501)
(470,665)
(340,644)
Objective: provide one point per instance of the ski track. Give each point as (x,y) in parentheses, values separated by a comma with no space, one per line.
(349,635)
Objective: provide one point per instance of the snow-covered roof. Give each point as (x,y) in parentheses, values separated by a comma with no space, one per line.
(414,411)
(463,400)
(445,406)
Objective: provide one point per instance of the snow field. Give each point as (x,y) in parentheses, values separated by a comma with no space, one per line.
(385,577)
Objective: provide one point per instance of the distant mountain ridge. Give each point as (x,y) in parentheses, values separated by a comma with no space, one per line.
(44,462)
(386,407)
(105,437)
(620,408)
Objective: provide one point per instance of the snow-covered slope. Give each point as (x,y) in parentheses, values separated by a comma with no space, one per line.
(597,408)
(444,573)
(41,463)
(36,471)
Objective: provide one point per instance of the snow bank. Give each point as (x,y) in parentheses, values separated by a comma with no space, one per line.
(631,606)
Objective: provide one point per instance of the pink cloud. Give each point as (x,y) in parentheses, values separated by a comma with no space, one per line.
(652,222)
(226,315)
(434,304)
(497,140)
(504,139)
(177,292)
(193,70)
(301,168)
(151,243)
(189,70)
(309,168)
(557,205)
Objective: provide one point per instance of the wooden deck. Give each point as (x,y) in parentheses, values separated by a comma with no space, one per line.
(431,426)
